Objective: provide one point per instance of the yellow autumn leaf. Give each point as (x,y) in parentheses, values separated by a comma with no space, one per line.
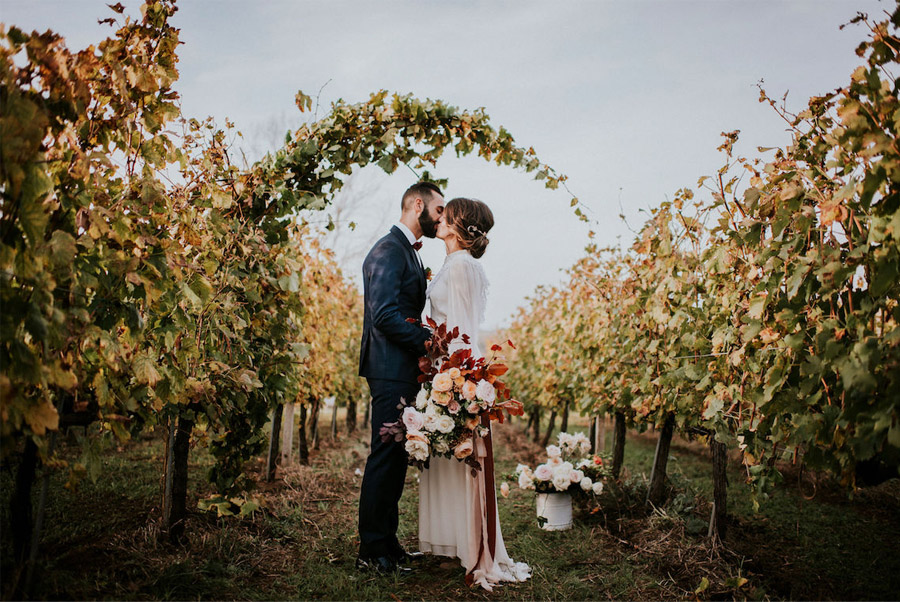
(41,417)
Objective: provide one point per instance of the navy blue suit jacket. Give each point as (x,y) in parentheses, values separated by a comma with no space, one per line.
(394,290)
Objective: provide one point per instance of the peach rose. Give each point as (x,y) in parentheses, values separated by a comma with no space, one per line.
(464,449)
(441,398)
(442,382)
(472,422)
(468,390)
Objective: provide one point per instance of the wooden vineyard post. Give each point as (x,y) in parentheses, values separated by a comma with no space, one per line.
(175,495)
(602,425)
(302,447)
(657,491)
(272,457)
(21,511)
(334,409)
(618,445)
(314,425)
(536,435)
(549,432)
(287,435)
(564,424)
(598,434)
(592,435)
(718,521)
(351,415)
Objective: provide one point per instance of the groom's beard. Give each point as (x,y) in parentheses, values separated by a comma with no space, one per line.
(428,225)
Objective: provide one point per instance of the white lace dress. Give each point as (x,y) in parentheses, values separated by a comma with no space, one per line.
(452,503)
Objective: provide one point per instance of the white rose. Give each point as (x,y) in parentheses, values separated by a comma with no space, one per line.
(526,481)
(584,445)
(441,447)
(445,424)
(582,463)
(422,399)
(565,439)
(504,489)
(543,473)
(586,484)
(576,476)
(416,445)
(553,451)
(561,482)
(561,472)
(413,420)
(597,488)
(431,422)
(485,391)
(522,468)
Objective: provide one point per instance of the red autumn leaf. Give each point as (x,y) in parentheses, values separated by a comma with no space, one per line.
(510,343)
(496,347)
(514,407)
(498,369)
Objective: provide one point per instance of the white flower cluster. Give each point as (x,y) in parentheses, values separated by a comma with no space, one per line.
(572,446)
(558,473)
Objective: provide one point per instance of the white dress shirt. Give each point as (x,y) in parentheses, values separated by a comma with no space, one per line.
(410,237)
(406,231)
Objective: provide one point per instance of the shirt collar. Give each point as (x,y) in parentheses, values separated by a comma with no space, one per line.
(407,232)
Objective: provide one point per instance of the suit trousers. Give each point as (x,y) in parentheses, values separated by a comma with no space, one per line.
(385,473)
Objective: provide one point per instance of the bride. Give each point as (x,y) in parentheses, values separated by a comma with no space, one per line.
(458,512)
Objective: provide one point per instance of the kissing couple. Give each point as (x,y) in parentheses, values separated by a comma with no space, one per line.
(457,511)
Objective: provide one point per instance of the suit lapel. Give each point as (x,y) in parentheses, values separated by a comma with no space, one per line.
(418,267)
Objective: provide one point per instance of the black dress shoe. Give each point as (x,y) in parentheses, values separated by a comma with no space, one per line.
(401,555)
(384,565)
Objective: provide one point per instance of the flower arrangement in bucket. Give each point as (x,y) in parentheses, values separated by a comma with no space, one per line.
(570,470)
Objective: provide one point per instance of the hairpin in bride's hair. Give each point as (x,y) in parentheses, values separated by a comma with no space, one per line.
(473,229)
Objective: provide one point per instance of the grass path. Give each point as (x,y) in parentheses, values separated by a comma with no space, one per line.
(101,539)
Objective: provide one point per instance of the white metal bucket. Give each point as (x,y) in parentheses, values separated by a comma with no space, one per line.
(557,509)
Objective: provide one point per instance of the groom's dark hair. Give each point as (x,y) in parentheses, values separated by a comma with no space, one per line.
(422,189)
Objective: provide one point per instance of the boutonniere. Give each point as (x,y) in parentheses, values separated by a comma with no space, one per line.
(417,245)
(427,273)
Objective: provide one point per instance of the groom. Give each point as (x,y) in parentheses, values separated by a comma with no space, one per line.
(394,289)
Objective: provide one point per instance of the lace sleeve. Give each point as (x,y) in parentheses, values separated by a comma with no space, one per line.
(468,287)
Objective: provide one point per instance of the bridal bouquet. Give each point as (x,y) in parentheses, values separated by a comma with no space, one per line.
(460,394)
(569,468)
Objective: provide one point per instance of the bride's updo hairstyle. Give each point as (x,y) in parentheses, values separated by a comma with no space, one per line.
(471,220)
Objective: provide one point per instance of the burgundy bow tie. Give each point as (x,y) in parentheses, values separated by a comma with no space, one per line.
(417,245)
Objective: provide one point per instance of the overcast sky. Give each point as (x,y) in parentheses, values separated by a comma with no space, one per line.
(626,98)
